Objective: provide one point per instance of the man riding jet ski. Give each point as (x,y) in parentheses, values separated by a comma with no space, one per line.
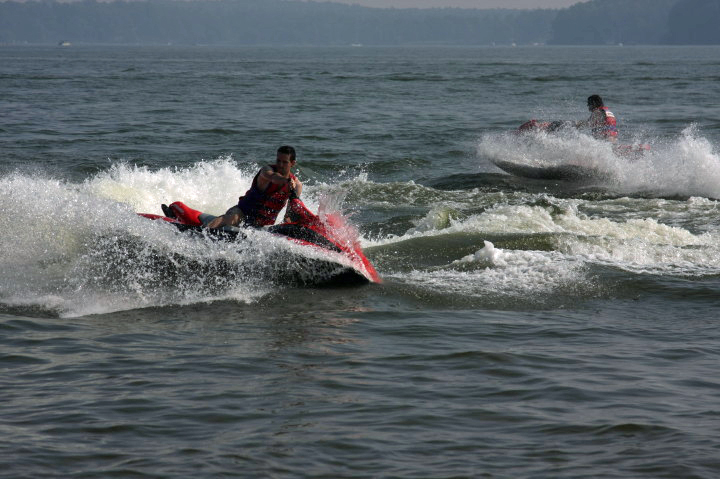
(272,189)
(602,124)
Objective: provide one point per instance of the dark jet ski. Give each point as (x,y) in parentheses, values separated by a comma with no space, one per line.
(567,170)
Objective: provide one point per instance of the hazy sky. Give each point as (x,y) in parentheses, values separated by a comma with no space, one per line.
(463,3)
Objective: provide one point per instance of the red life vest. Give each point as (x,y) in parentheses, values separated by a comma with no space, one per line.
(606,125)
(261,208)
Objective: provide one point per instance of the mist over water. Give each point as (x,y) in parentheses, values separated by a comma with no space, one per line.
(682,166)
(524,327)
(69,262)
(97,256)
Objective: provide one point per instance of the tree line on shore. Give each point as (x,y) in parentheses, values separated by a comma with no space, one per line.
(285,22)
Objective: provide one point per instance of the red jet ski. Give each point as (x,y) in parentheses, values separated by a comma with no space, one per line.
(345,262)
(564,169)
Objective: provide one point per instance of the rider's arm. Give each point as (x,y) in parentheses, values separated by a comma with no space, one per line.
(297,186)
(267,176)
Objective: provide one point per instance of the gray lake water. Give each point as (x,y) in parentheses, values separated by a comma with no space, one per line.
(524,328)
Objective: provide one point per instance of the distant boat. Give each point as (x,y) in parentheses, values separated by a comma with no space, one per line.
(356,44)
(64,43)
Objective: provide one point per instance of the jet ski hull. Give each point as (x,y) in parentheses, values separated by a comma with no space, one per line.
(340,262)
(564,170)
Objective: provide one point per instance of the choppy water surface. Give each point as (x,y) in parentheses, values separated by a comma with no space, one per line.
(524,328)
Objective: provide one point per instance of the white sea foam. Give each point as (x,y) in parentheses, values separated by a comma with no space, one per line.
(81,248)
(688,165)
(210,186)
(62,242)
(579,241)
(542,149)
(636,244)
(494,272)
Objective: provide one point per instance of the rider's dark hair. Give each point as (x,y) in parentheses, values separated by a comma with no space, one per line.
(287,150)
(594,101)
